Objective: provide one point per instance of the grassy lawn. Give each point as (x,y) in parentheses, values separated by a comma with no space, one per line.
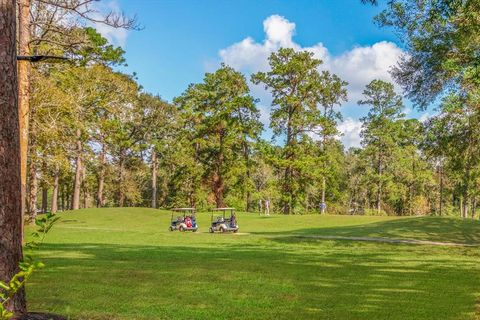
(124,264)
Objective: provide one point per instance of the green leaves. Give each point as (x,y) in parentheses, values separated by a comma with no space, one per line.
(303,105)
(26,267)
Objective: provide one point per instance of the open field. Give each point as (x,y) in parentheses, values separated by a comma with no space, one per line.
(124,264)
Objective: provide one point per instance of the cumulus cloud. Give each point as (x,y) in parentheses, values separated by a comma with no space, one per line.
(350,132)
(357,66)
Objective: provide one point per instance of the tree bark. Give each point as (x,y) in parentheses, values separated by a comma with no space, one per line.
(84,189)
(218,183)
(121,193)
(78,174)
(32,190)
(324,185)
(286,186)
(154,179)
(441,190)
(101,178)
(62,196)
(23,92)
(68,197)
(55,193)
(246,156)
(379,191)
(44,199)
(10,176)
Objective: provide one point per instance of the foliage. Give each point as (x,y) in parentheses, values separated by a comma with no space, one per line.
(442,40)
(28,266)
(298,89)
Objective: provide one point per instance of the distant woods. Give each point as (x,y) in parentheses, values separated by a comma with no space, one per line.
(96,138)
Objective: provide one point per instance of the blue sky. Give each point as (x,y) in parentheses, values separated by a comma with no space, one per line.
(181,40)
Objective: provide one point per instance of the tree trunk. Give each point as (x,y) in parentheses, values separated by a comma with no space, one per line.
(379,191)
(78,174)
(465,206)
(84,189)
(44,199)
(324,185)
(246,156)
(10,176)
(286,187)
(32,190)
(55,193)
(218,183)
(474,207)
(154,179)
(68,197)
(101,178)
(62,196)
(23,92)
(121,193)
(441,189)
(218,188)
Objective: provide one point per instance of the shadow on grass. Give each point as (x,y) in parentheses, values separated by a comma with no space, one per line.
(281,281)
(419,228)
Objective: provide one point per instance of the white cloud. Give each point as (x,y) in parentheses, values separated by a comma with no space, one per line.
(358,66)
(350,130)
(361,65)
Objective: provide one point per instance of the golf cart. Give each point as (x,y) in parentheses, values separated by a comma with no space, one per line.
(222,223)
(183,219)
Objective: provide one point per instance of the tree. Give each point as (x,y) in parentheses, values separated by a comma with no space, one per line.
(442,39)
(224,113)
(10,179)
(380,130)
(162,120)
(453,137)
(298,88)
(42,30)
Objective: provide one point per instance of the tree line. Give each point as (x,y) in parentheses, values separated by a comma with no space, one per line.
(98,139)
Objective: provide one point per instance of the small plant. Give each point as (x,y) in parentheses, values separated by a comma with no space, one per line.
(27,266)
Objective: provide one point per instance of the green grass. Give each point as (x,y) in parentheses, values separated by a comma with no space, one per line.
(124,264)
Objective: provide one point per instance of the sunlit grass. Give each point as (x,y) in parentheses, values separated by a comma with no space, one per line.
(125,264)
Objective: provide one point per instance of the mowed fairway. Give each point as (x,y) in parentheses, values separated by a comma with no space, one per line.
(124,264)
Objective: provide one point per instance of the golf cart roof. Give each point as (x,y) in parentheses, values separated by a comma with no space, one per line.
(222,209)
(183,209)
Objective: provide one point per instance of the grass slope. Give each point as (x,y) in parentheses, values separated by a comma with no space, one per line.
(124,264)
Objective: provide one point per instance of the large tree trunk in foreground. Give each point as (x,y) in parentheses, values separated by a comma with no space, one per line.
(78,174)
(55,193)
(154,179)
(23,92)
(10,177)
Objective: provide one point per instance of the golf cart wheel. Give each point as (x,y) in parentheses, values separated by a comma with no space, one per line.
(235,231)
(194,230)
(210,230)
(181,229)
(171,228)
(222,230)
